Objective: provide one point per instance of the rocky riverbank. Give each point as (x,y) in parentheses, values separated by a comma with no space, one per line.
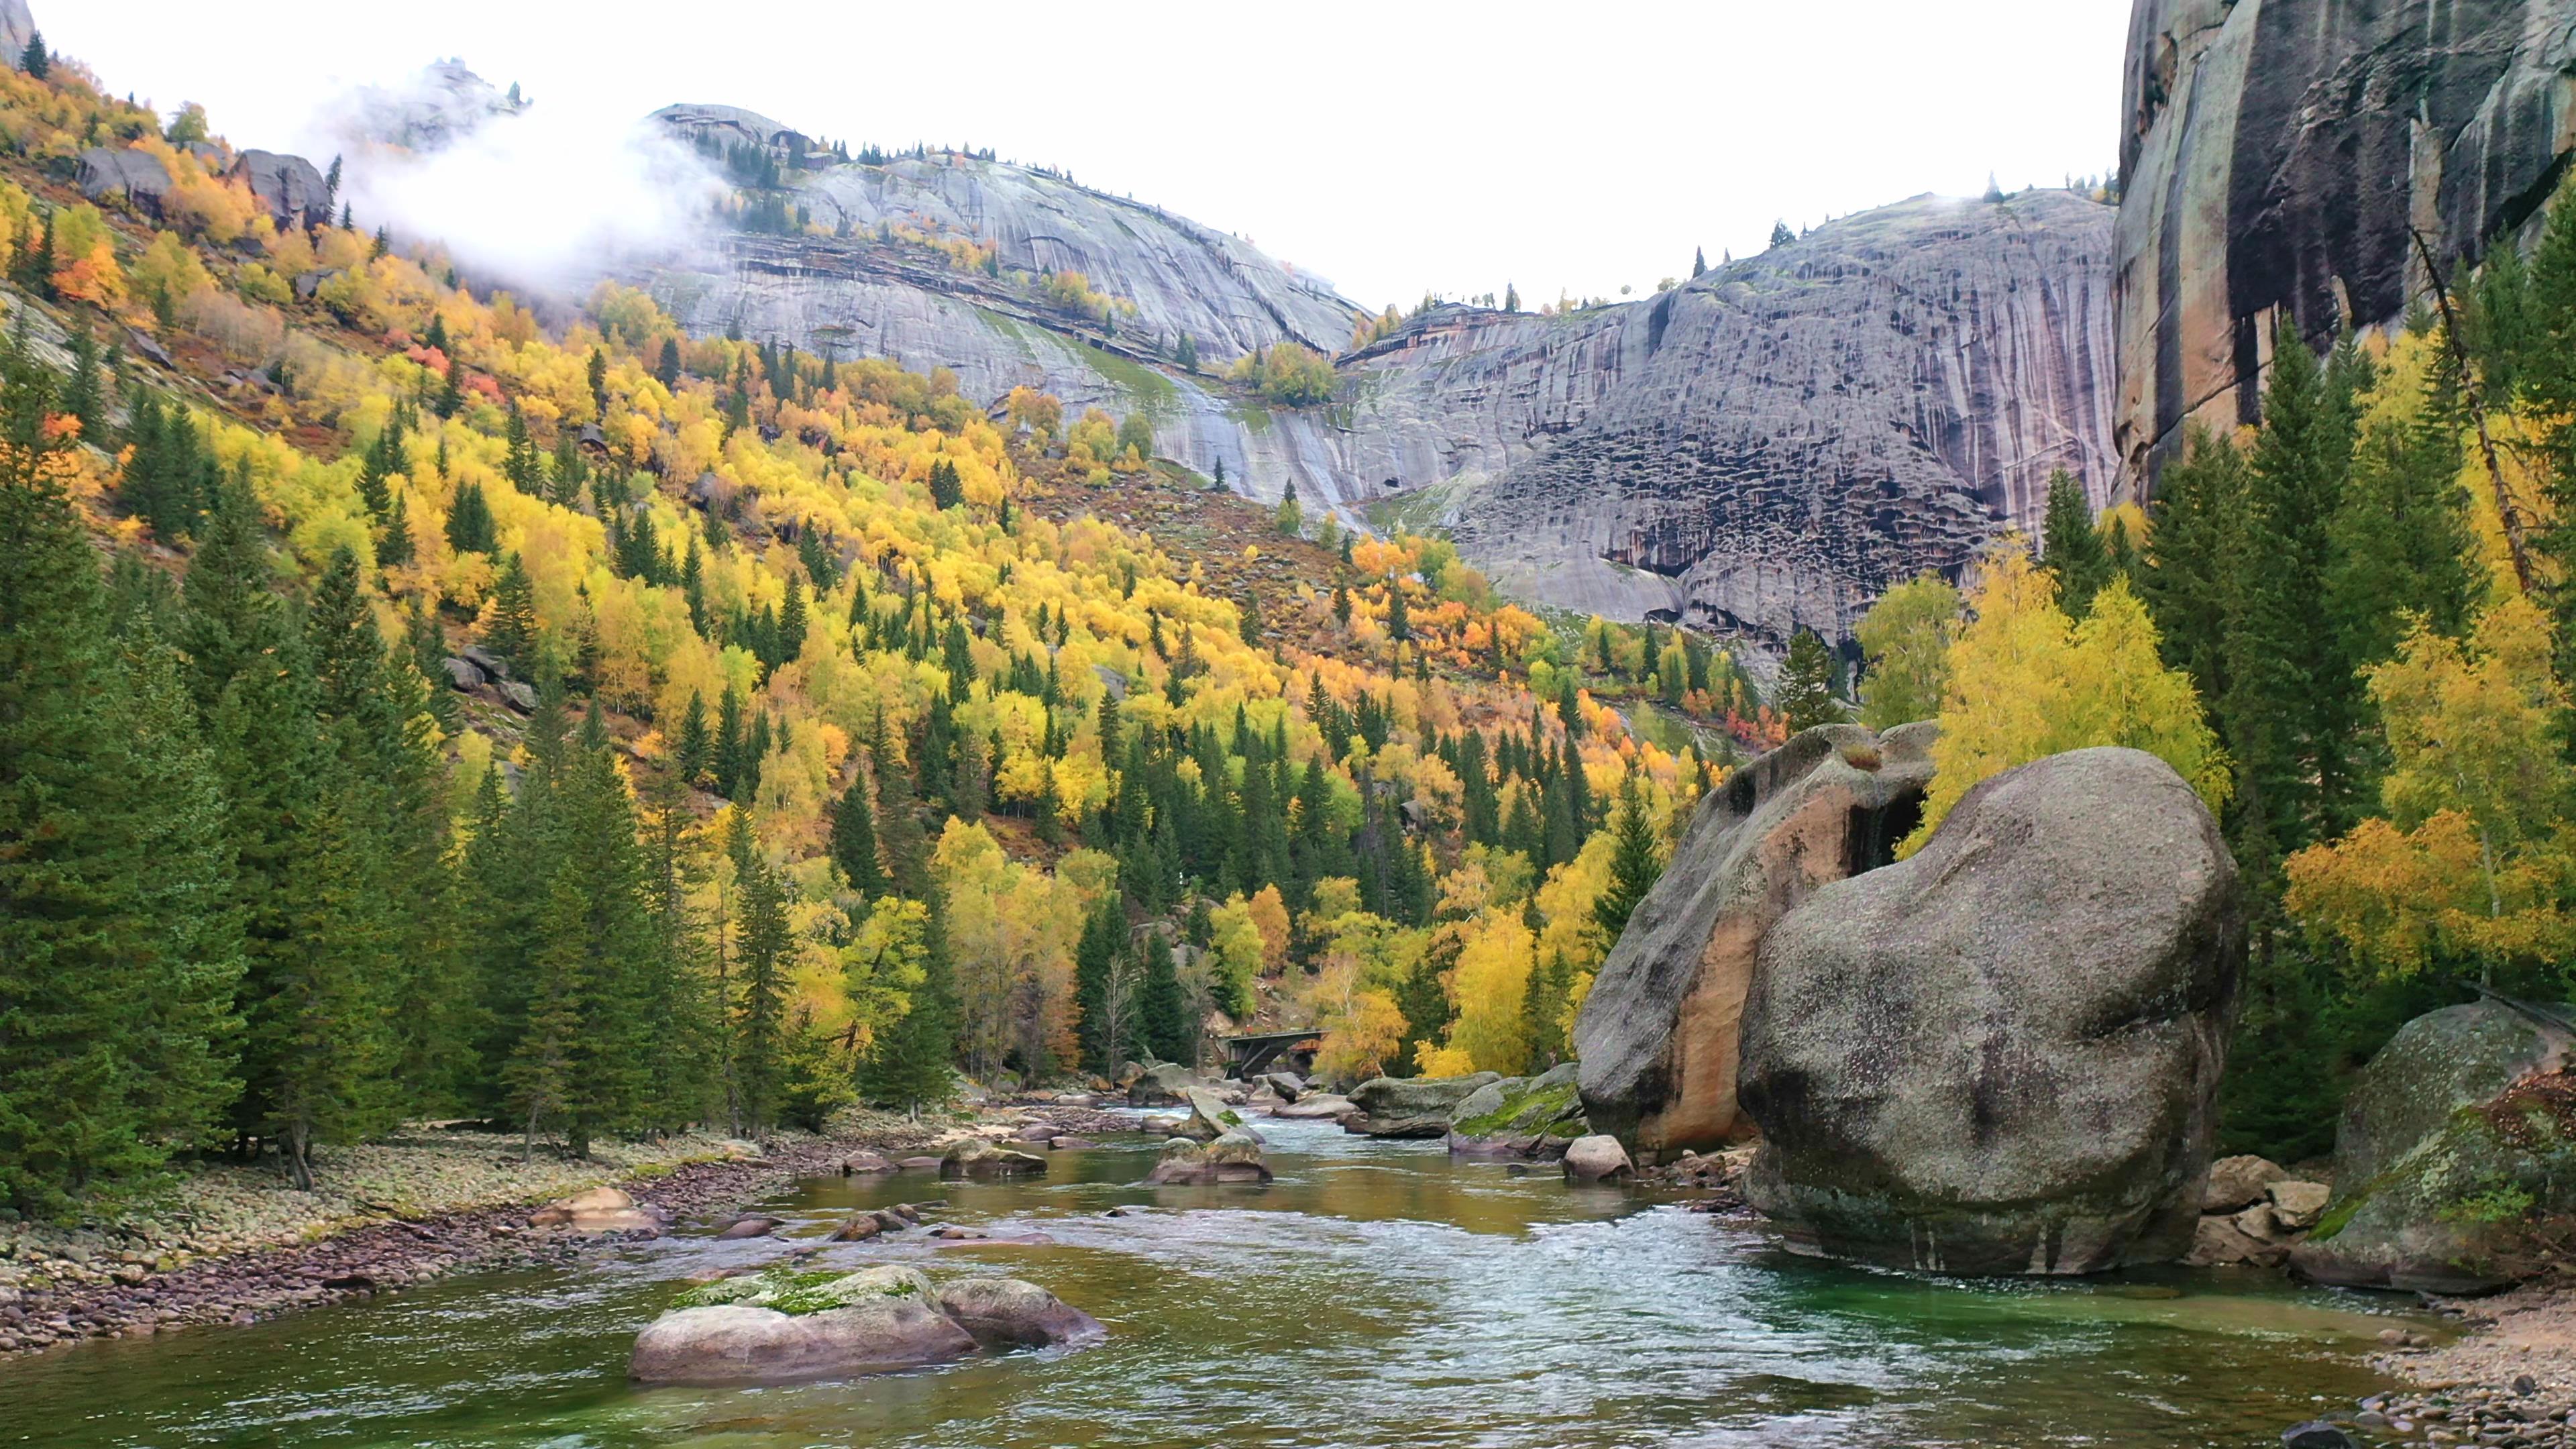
(234,1245)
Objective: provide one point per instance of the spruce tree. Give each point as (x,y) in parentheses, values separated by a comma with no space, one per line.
(912,1064)
(762,950)
(510,620)
(1095,979)
(1636,860)
(854,840)
(2071,550)
(1805,695)
(1163,1028)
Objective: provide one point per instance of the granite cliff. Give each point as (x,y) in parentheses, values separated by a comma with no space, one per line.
(2284,155)
(1762,448)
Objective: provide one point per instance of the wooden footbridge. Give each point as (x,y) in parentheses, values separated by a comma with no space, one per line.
(1247,1057)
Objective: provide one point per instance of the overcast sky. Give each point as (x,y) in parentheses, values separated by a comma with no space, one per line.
(1393,146)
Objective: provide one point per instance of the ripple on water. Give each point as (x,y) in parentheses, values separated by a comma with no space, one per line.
(1375,1294)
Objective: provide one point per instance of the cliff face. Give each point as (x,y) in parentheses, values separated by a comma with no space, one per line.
(2285,154)
(1762,449)
(1772,444)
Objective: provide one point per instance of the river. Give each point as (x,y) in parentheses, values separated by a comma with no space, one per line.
(1376,1294)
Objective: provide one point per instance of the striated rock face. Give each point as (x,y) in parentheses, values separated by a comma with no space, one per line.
(2002,1054)
(1658,1035)
(1761,449)
(17,27)
(2280,155)
(1767,447)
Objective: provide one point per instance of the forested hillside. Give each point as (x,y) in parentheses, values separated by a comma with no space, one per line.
(422,702)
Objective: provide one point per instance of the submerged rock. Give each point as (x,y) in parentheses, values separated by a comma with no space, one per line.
(1012,1313)
(977,1157)
(2002,1055)
(1659,1035)
(752,1225)
(1412,1106)
(600,1210)
(2458,1140)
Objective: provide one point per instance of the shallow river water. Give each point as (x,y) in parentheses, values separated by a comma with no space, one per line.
(1376,1294)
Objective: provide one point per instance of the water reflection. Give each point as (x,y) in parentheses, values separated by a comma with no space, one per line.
(1374,1294)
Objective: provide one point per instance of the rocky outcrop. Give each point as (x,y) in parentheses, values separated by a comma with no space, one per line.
(17,27)
(1412,1107)
(975,1157)
(2002,1054)
(1759,449)
(289,188)
(1529,1117)
(2457,1142)
(2279,158)
(781,1326)
(1161,1085)
(136,178)
(1657,1036)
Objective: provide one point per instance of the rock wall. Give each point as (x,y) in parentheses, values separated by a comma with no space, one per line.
(2283,155)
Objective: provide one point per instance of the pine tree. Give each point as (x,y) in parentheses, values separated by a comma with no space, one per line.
(759,1018)
(1163,1028)
(469,521)
(1636,861)
(695,746)
(2071,549)
(913,1062)
(854,840)
(35,60)
(510,621)
(1095,980)
(666,371)
(1805,695)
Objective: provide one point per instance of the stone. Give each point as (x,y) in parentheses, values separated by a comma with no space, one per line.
(519,696)
(866,1163)
(859,1229)
(1161,1085)
(1411,1107)
(752,1225)
(492,665)
(740,1343)
(918,1164)
(1066,1144)
(2318,1434)
(976,1157)
(1186,1162)
(2002,1055)
(1035,1132)
(1209,1118)
(2244,129)
(1317,1107)
(288,187)
(1012,1313)
(1528,1117)
(1597,1158)
(137,177)
(2235,1182)
(2455,1139)
(2297,1206)
(1659,1037)
(600,1210)
(1286,1084)
(461,674)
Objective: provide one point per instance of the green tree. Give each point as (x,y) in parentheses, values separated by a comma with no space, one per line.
(2071,548)
(1163,1027)
(854,840)
(1905,639)
(1805,695)
(1096,984)
(1636,861)
(912,1063)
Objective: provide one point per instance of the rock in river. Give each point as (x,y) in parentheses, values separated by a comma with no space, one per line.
(1531,1117)
(1012,1313)
(1412,1106)
(1233,1157)
(780,1326)
(600,1210)
(2001,1055)
(1658,1036)
(976,1157)
(1598,1158)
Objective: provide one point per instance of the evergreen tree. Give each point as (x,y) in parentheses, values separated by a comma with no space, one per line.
(666,370)
(510,621)
(470,527)
(759,1015)
(2071,550)
(1095,980)
(35,60)
(695,747)
(1805,696)
(854,840)
(913,1062)
(1636,860)
(1162,1018)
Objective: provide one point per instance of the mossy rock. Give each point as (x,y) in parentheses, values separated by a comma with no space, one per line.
(787,1290)
(1543,1106)
(2458,1143)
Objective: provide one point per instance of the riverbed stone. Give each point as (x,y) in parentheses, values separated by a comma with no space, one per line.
(752,1225)
(1014,1313)
(978,1157)
(1659,1036)
(1317,1107)
(2456,1151)
(1209,1118)
(2297,1206)
(600,1210)
(1235,1157)
(1161,1085)
(1597,1158)
(2236,1182)
(2002,1055)
(1519,1117)
(1288,1085)
(739,1343)
(1410,1107)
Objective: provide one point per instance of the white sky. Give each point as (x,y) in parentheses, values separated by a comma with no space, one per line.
(1393,146)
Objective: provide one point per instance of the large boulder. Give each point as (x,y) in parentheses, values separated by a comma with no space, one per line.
(1234,1157)
(977,1157)
(2457,1140)
(1531,1117)
(1412,1106)
(1598,1158)
(1317,1107)
(136,176)
(1013,1313)
(782,1326)
(288,187)
(2001,1055)
(1658,1037)
(1161,1085)
(1209,1118)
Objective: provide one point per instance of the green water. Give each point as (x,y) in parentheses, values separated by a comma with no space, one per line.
(1376,1294)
